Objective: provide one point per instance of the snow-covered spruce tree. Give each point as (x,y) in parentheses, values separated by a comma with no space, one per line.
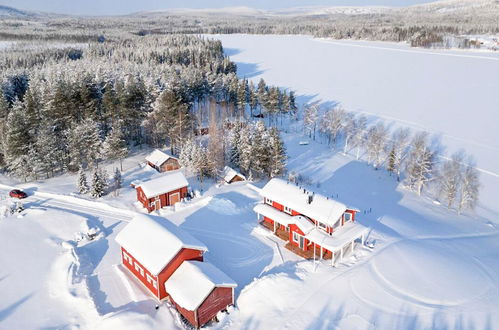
(47,145)
(117,181)
(277,162)
(260,145)
(82,183)
(262,93)
(18,142)
(253,98)
(293,109)
(420,163)
(449,178)
(245,151)
(235,137)
(469,188)
(115,146)
(310,119)
(84,144)
(99,183)
(376,144)
(398,149)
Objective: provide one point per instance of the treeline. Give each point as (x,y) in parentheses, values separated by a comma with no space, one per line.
(407,156)
(64,113)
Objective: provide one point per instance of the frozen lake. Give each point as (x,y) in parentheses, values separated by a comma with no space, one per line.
(452,94)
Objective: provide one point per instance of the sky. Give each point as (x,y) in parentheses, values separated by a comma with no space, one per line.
(120,7)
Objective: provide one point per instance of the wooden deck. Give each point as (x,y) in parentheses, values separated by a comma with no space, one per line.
(309,254)
(282,234)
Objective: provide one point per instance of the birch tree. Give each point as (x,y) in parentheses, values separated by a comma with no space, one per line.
(420,163)
(398,151)
(469,188)
(376,144)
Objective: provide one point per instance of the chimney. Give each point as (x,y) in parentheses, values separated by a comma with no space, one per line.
(310,198)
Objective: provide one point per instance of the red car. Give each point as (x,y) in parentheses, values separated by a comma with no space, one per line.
(16,193)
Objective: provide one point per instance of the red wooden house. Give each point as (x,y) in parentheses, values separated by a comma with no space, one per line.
(152,248)
(166,190)
(168,262)
(312,223)
(162,162)
(213,291)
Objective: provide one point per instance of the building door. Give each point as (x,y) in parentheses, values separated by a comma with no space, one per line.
(174,198)
(302,242)
(157,203)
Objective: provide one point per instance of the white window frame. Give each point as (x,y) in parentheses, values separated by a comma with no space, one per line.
(296,237)
(269,201)
(288,210)
(139,269)
(322,226)
(349,216)
(127,257)
(151,280)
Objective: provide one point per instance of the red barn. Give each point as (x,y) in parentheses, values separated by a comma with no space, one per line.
(163,191)
(162,162)
(152,248)
(313,224)
(212,291)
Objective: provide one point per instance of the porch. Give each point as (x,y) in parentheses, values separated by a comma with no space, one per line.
(282,234)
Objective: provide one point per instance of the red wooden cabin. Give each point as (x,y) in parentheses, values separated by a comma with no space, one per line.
(311,223)
(229,175)
(166,190)
(199,291)
(162,162)
(152,248)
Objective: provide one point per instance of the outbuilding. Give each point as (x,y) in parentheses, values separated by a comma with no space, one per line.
(166,190)
(152,249)
(230,175)
(199,291)
(162,162)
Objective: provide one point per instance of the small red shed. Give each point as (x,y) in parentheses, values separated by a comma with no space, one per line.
(162,162)
(166,190)
(199,291)
(152,248)
(230,175)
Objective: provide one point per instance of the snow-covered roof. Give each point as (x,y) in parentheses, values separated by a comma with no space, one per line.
(283,218)
(274,214)
(229,173)
(323,209)
(193,281)
(350,231)
(158,157)
(167,182)
(155,241)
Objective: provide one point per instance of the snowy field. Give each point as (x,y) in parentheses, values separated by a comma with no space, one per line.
(428,267)
(452,94)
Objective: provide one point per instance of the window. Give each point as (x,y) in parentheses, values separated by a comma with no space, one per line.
(296,237)
(322,226)
(152,281)
(268,201)
(288,210)
(139,269)
(126,257)
(347,216)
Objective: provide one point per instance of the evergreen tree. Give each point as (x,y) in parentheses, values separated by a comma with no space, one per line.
(99,183)
(115,146)
(84,144)
(82,183)
(118,181)
(18,142)
(277,163)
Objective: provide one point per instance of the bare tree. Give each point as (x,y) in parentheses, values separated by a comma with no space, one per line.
(310,119)
(449,178)
(376,144)
(332,124)
(469,188)
(398,150)
(348,129)
(420,163)
(359,134)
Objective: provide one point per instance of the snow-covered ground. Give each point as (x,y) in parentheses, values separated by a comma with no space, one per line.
(427,268)
(452,94)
